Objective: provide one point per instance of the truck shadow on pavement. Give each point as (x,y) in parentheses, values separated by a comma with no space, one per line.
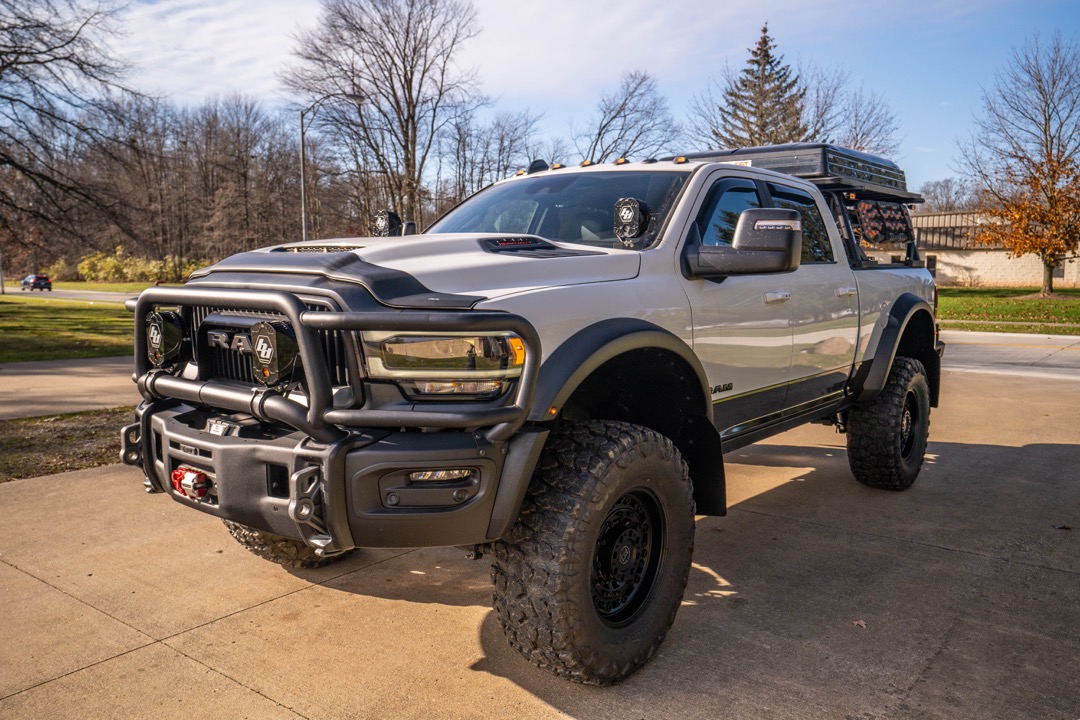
(816,593)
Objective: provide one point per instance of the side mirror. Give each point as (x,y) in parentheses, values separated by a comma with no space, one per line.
(767,240)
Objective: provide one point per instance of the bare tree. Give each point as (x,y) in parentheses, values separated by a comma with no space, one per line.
(1024,153)
(947,195)
(55,73)
(395,62)
(824,101)
(476,154)
(632,120)
(868,123)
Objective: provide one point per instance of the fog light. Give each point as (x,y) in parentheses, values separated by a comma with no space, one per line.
(454,389)
(440,475)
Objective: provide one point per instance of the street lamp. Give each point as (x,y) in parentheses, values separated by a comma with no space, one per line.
(313,108)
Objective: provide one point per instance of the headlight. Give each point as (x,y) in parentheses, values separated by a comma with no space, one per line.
(454,366)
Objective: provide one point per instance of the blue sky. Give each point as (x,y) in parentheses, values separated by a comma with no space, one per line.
(929,58)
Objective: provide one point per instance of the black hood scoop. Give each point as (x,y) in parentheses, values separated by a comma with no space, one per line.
(390,287)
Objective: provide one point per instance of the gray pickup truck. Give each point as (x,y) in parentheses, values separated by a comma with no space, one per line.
(549,375)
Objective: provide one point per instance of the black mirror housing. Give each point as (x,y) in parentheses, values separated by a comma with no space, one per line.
(767,240)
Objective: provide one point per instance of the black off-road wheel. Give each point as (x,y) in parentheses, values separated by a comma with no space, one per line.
(281,550)
(588,581)
(886,438)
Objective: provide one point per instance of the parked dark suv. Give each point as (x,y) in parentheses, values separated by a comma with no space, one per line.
(36,282)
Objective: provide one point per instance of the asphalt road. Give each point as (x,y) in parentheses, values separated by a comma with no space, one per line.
(84,295)
(814,598)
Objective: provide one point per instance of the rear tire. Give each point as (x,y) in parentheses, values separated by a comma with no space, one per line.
(588,581)
(281,550)
(887,436)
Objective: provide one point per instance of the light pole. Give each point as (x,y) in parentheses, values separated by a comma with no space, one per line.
(313,108)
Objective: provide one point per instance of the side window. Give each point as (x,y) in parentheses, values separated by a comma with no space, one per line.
(720,212)
(815,239)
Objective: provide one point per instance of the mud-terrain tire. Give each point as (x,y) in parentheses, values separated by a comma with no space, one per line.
(886,438)
(588,581)
(281,550)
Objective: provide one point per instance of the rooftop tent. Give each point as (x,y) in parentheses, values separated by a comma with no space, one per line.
(830,167)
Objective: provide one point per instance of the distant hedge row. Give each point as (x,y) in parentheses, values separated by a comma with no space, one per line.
(120,267)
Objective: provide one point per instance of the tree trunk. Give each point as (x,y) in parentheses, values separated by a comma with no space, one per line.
(1048,276)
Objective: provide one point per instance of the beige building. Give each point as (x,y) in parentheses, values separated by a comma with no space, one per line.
(946,242)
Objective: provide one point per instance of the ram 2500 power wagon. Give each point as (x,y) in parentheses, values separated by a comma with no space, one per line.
(550,375)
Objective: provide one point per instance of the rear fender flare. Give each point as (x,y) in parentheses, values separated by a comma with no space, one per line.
(873,373)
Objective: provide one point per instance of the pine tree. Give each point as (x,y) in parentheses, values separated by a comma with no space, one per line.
(764,102)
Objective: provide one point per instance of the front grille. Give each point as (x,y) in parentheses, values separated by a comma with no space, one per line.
(235,366)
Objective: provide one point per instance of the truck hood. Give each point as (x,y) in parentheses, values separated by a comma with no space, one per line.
(433,271)
(495,265)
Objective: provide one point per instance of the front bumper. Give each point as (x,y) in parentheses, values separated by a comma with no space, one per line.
(352,493)
(335,477)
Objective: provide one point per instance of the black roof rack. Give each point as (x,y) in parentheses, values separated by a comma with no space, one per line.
(830,167)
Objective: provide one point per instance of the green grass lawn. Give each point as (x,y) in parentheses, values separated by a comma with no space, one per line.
(62,330)
(997,309)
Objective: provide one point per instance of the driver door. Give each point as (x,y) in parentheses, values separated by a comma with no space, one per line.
(741,324)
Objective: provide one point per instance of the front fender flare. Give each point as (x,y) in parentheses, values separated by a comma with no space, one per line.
(585,351)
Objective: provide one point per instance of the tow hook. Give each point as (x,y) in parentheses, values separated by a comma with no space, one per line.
(190,483)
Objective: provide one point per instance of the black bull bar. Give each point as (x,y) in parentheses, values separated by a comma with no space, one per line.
(319,419)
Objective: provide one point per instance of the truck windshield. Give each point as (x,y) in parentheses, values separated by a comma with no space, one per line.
(572,207)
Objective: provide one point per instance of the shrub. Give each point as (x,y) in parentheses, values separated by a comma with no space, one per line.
(118,267)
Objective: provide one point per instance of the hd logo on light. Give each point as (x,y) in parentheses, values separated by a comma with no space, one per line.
(274,352)
(264,350)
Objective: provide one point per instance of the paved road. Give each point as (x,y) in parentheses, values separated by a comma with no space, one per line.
(84,295)
(1046,356)
(120,604)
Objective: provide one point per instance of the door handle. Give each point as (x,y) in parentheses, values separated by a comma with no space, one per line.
(777,297)
(847,292)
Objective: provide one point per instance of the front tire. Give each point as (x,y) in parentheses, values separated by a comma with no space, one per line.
(278,549)
(588,581)
(887,436)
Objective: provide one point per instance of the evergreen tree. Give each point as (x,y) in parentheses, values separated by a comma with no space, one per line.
(764,102)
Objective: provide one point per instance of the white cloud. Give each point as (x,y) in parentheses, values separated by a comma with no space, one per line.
(190,49)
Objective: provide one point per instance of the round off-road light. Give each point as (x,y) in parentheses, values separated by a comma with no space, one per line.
(274,352)
(164,337)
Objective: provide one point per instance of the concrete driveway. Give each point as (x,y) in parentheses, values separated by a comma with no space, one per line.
(32,389)
(814,598)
